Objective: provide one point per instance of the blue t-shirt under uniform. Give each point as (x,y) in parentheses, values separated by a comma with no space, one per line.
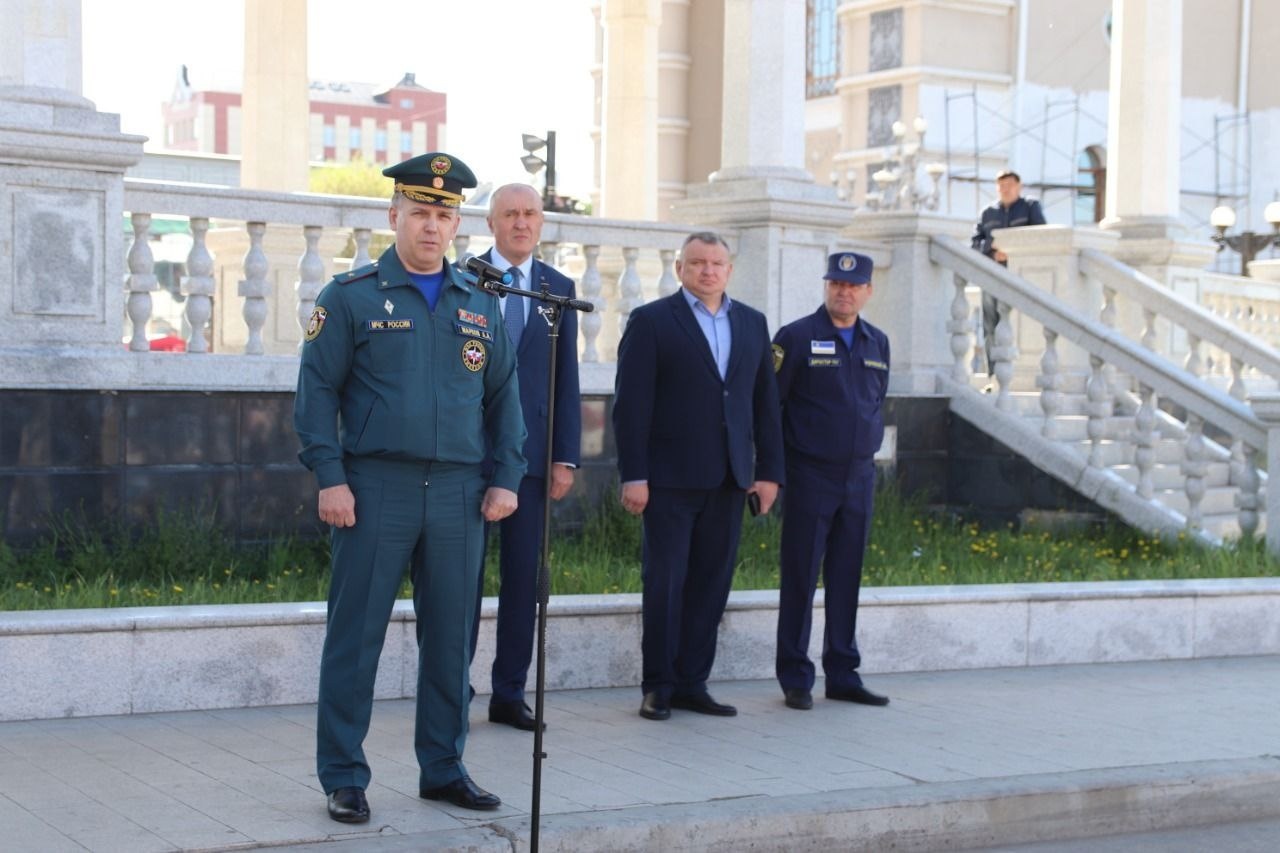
(428,285)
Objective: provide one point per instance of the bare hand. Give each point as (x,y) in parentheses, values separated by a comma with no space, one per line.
(635,497)
(768,492)
(561,480)
(1000,256)
(338,506)
(498,503)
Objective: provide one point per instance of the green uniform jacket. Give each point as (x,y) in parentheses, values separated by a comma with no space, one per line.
(382,376)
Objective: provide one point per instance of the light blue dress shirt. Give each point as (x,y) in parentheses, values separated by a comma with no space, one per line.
(715,328)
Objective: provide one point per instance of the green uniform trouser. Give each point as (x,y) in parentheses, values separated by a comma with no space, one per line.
(425,516)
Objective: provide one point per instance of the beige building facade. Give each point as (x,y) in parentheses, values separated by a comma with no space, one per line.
(1000,83)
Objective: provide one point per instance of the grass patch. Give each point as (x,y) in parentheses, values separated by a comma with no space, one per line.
(183,558)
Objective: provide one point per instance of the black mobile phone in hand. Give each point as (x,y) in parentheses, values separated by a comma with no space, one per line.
(753,502)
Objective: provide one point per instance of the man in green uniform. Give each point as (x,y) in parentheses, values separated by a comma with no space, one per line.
(405,373)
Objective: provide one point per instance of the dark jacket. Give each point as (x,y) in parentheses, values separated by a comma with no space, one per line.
(1022,212)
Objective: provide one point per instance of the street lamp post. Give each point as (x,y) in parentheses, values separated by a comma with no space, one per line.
(1247,243)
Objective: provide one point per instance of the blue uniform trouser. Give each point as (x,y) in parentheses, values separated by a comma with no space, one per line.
(826,521)
(425,517)
(690,545)
(518,594)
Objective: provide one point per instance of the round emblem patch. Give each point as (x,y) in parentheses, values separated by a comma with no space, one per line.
(316,323)
(441,165)
(778,355)
(437,182)
(473,356)
(847,262)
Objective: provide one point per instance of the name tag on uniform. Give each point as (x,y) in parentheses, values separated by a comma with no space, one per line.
(823,361)
(822,347)
(391,325)
(472,332)
(871,362)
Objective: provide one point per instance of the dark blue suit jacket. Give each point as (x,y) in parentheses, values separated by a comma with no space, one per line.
(676,422)
(533,360)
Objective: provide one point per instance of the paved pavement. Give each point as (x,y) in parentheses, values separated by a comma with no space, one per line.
(965,758)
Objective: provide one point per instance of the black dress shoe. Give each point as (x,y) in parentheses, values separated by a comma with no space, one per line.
(703,704)
(654,707)
(515,714)
(798,698)
(462,793)
(349,805)
(858,694)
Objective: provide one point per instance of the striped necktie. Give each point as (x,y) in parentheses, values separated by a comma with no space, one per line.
(513,319)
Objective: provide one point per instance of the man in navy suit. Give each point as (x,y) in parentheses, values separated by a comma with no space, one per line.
(698,428)
(515,218)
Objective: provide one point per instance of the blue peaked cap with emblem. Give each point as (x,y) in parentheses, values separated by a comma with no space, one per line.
(849,267)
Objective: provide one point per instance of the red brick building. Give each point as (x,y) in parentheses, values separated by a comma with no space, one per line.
(348,120)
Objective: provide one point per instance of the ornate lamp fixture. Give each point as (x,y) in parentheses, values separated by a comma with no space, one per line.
(1247,243)
(897,185)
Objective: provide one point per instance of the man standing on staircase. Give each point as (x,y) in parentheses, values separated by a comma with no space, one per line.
(833,371)
(1010,211)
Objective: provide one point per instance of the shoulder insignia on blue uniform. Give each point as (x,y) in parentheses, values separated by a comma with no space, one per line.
(357,273)
(778,355)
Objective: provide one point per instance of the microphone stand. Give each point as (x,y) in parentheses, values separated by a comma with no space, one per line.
(552,310)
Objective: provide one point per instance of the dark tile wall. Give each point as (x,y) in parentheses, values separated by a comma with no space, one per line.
(100,455)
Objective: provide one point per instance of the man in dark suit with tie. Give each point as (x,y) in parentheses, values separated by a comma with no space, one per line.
(698,428)
(515,218)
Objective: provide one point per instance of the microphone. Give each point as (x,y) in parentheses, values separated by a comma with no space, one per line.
(487,272)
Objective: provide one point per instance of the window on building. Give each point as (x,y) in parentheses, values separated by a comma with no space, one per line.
(822,48)
(353,138)
(406,141)
(329,135)
(380,140)
(406,103)
(1091,188)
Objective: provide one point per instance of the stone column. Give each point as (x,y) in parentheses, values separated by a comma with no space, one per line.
(1266,405)
(1144,129)
(62,167)
(276,102)
(913,296)
(786,223)
(629,114)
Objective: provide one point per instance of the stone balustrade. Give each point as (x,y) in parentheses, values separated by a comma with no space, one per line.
(618,265)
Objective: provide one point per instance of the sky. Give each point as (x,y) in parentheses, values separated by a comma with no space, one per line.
(508,66)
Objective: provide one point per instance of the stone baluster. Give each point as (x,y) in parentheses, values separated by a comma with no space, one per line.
(1266,405)
(548,252)
(255,288)
(199,285)
(1149,329)
(1048,382)
(1098,407)
(961,338)
(461,247)
(1004,353)
(629,293)
(1108,318)
(1244,470)
(141,281)
(667,282)
(362,236)
(310,275)
(1194,363)
(591,324)
(1144,441)
(1195,465)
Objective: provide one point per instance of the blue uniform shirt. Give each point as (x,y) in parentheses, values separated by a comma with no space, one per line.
(831,393)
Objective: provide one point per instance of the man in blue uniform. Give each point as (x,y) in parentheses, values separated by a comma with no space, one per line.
(695,414)
(1009,211)
(515,218)
(405,373)
(833,371)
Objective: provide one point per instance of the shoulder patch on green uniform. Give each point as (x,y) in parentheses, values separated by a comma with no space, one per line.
(316,323)
(357,273)
(778,355)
